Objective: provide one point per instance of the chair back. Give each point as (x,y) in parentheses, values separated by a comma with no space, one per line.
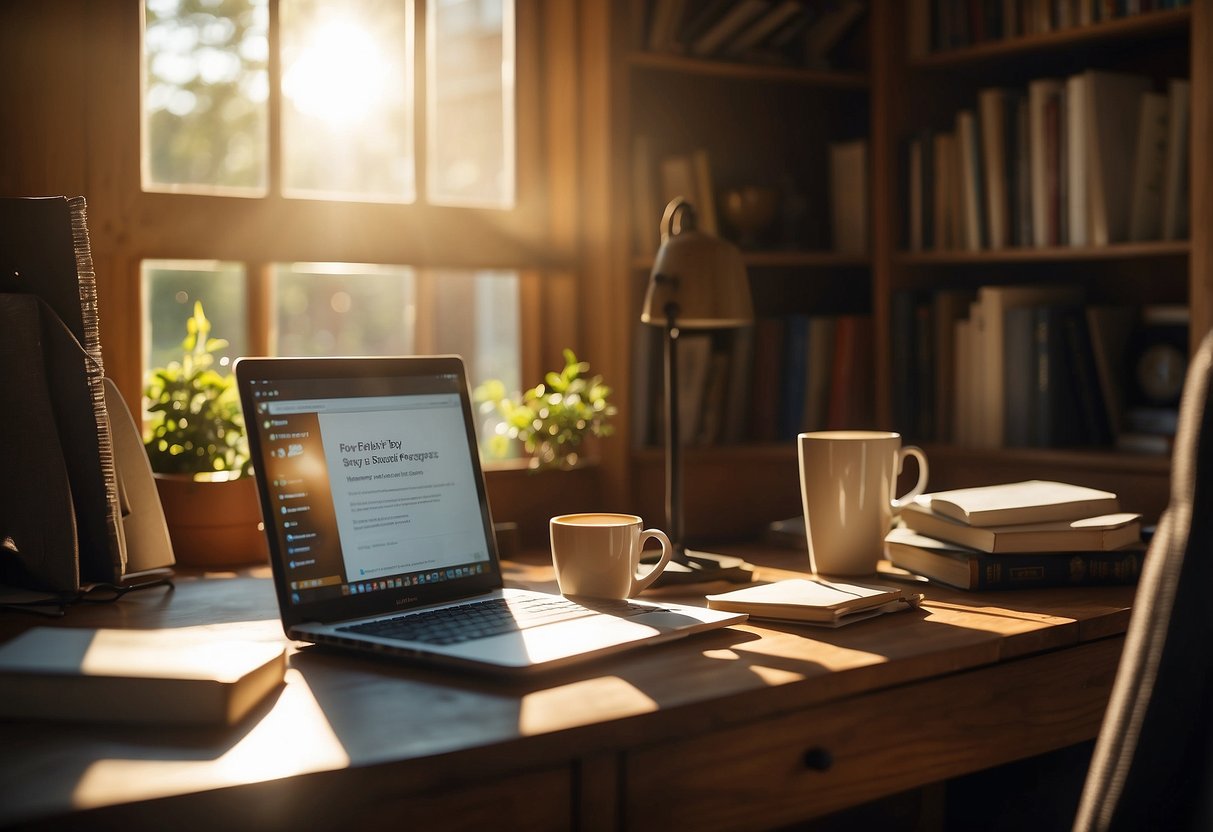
(1152,766)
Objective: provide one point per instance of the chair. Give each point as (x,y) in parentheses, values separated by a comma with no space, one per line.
(1152,766)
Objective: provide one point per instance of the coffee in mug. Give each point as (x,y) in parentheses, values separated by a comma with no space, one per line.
(847,482)
(598,555)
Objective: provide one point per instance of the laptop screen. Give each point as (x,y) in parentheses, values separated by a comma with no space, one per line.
(371,485)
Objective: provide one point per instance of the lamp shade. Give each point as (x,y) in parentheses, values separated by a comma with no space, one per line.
(702,276)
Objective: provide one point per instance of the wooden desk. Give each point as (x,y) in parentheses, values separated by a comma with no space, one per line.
(749,727)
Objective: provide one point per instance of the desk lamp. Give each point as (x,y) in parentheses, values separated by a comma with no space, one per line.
(698,282)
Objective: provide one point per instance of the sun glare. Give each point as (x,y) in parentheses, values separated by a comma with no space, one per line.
(339,76)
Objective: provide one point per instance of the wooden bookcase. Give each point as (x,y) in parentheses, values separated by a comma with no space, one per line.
(743,113)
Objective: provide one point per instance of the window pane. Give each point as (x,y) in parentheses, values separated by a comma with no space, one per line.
(205,87)
(358,309)
(347,106)
(344,309)
(170,288)
(470,95)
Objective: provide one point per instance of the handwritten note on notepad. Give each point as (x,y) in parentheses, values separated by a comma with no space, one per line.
(816,601)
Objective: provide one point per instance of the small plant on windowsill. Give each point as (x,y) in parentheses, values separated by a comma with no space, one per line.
(551,419)
(198,450)
(196,424)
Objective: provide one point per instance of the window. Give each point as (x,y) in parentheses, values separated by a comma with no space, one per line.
(335,177)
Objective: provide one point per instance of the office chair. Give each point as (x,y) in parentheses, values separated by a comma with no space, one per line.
(1153,762)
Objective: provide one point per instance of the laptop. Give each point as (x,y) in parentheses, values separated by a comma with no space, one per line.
(380,534)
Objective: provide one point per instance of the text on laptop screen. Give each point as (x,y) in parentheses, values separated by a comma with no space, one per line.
(369,492)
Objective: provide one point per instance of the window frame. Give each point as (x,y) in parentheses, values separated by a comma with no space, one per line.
(260,230)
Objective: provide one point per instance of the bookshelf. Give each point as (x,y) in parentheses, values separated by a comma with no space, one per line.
(922,90)
(761,124)
(886,90)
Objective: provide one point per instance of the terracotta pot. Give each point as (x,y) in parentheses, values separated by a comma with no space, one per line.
(213,522)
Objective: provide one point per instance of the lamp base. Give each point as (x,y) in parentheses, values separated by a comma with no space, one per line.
(687,566)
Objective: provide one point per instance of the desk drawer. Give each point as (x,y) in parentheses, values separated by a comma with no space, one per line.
(801,765)
(535,800)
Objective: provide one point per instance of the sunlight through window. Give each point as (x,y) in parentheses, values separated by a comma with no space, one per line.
(347,106)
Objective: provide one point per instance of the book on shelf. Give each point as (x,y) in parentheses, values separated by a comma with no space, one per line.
(1112,102)
(705,191)
(665,20)
(815,601)
(1056,376)
(1110,328)
(646,213)
(1175,169)
(989,373)
(1028,501)
(1052,390)
(820,365)
(916,237)
(741,371)
(185,676)
(689,175)
(996,116)
(1044,95)
(717,30)
(963,400)
(676,178)
(948,307)
(971,569)
(1100,533)
(1149,161)
(833,22)
(1075,144)
(795,364)
(764,26)
(905,383)
(694,361)
(940,25)
(1089,159)
(848,196)
(972,185)
(764,398)
(851,390)
(715,398)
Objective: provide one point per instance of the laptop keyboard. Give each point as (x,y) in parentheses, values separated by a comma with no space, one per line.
(482,619)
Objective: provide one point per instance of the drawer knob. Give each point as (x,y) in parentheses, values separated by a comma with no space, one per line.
(818,759)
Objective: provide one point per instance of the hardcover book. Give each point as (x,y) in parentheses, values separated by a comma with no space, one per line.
(965,568)
(185,676)
(1030,501)
(1091,534)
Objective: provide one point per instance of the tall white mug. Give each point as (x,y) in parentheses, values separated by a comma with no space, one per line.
(598,555)
(847,482)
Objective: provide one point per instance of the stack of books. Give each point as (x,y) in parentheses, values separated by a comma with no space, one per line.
(1019,535)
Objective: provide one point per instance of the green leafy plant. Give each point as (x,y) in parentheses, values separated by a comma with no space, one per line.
(551,419)
(196,423)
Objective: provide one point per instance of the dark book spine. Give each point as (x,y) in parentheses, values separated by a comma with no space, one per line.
(764,397)
(924,369)
(1096,429)
(1053,570)
(1056,402)
(1019,379)
(903,341)
(795,370)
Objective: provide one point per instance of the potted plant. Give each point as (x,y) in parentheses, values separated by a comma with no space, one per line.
(199,453)
(552,418)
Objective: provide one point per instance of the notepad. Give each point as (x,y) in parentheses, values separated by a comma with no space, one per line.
(815,601)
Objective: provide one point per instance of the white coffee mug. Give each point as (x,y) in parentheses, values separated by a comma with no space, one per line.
(847,482)
(598,555)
